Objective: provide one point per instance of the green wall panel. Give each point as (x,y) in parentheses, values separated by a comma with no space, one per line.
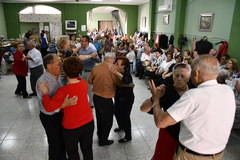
(234,39)
(159,26)
(69,11)
(3,30)
(222,20)
(143,11)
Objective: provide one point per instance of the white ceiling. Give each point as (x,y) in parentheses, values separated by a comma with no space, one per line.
(133,2)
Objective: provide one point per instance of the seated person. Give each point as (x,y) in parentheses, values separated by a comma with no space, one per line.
(165,64)
(232,67)
(145,61)
(156,62)
(236,124)
(223,75)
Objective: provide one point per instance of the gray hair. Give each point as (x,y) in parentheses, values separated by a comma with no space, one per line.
(48,59)
(111,55)
(182,66)
(207,65)
(32,42)
(223,76)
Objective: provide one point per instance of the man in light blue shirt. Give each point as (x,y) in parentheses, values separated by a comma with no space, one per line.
(89,57)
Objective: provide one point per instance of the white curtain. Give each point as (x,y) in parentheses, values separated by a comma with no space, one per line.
(89,18)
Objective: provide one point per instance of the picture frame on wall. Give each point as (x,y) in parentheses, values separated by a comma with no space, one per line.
(70,24)
(144,22)
(166,19)
(206,21)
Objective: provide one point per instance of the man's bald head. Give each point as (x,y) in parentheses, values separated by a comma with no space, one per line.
(204,68)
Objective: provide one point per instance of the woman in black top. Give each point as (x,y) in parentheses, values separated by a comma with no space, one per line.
(168,137)
(124,99)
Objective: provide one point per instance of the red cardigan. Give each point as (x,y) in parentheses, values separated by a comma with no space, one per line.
(76,115)
(20,67)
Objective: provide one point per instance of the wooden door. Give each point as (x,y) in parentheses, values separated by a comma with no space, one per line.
(105,25)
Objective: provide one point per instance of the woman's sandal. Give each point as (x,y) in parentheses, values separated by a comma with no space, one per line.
(123,140)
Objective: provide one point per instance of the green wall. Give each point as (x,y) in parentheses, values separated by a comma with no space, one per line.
(99,17)
(222,19)
(159,26)
(234,39)
(143,11)
(69,11)
(25,26)
(3,30)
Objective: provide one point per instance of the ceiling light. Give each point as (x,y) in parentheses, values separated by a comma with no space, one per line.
(125,0)
(96,0)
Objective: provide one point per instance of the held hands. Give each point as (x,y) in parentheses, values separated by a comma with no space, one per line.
(113,68)
(157,92)
(43,87)
(69,101)
(93,55)
(28,58)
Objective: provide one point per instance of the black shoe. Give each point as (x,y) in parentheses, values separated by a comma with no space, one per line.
(123,140)
(117,130)
(18,93)
(108,142)
(32,94)
(27,97)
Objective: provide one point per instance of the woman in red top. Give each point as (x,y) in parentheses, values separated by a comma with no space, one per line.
(78,125)
(20,69)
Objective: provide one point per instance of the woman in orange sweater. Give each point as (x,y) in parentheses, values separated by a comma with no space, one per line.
(78,124)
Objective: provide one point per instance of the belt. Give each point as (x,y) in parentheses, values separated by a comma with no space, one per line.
(195,153)
(87,70)
(36,67)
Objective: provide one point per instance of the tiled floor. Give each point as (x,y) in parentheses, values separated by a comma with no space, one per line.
(22,136)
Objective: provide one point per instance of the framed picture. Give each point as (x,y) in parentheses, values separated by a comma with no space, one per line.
(166,19)
(206,20)
(71,25)
(144,22)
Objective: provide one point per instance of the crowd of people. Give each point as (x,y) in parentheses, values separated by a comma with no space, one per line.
(193,94)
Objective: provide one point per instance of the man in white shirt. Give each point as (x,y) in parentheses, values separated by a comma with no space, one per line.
(35,64)
(206,113)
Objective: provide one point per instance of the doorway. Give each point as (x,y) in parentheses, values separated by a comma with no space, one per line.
(102,25)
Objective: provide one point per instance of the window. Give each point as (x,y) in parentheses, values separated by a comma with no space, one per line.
(40,9)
